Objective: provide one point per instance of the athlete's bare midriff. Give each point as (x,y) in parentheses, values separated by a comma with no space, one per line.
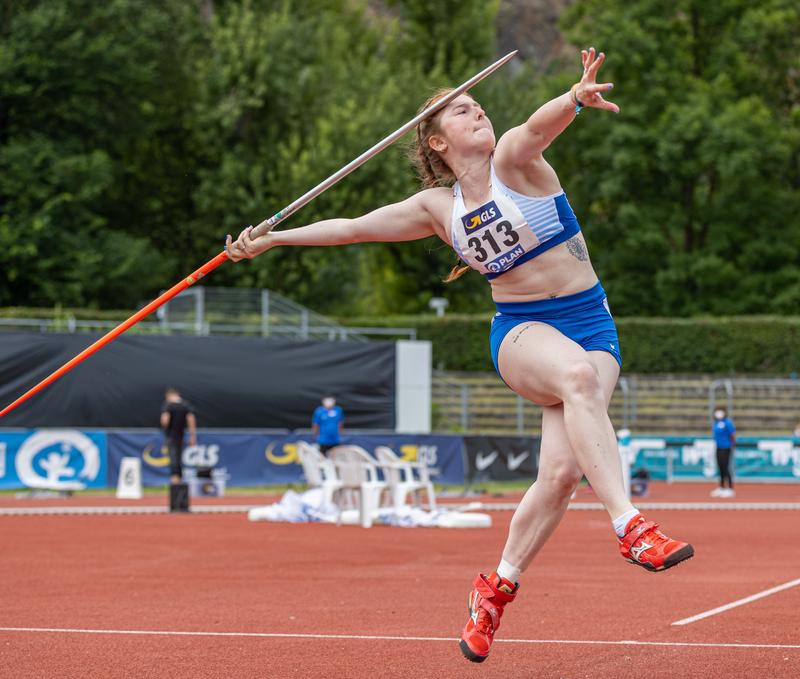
(563,270)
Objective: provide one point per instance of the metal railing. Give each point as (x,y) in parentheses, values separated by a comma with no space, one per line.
(262,312)
(225,311)
(680,404)
(482,402)
(776,399)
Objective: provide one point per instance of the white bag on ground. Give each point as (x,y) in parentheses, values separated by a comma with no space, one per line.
(415,517)
(297,508)
(311,507)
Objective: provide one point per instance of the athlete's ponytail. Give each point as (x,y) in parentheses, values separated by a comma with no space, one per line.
(456,272)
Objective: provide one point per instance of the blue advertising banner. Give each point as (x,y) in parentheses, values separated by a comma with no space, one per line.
(70,459)
(243,458)
(251,459)
(53,459)
(694,459)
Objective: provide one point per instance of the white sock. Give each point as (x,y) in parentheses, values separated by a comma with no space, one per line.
(621,522)
(509,572)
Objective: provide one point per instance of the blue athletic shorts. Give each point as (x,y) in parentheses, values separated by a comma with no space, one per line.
(583,317)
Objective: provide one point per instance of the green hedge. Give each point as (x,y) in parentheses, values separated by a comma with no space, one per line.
(743,344)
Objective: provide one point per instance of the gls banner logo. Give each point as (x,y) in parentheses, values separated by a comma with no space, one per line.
(412,452)
(193,456)
(61,459)
(282,453)
(201,456)
(479,218)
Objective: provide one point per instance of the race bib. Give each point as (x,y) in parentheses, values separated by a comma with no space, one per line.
(497,235)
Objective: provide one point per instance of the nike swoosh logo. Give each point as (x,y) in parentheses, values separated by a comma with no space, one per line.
(514,461)
(484,461)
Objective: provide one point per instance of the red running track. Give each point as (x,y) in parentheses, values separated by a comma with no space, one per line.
(218,573)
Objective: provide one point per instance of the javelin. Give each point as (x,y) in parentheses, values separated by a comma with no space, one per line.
(264,227)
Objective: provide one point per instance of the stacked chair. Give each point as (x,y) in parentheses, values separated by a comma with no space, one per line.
(319,471)
(405,478)
(358,471)
(351,472)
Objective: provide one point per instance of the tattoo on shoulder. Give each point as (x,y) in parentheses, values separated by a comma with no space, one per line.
(577,248)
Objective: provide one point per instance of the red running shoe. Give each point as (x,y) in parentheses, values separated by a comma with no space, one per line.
(646,546)
(486,604)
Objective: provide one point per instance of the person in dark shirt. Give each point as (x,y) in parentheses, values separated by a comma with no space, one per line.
(176,416)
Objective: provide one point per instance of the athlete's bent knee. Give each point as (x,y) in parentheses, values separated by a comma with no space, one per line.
(583,382)
(561,481)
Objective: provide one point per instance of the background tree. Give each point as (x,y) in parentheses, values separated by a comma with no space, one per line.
(134,135)
(92,155)
(690,196)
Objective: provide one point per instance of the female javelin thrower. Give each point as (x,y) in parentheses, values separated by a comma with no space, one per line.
(553,340)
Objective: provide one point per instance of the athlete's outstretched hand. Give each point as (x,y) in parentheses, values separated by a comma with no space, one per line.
(588,91)
(247,247)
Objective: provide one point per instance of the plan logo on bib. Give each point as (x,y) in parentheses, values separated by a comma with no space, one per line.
(62,459)
(505,261)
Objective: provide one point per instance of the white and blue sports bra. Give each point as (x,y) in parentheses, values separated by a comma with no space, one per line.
(510,229)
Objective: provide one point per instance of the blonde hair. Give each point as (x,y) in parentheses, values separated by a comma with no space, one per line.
(430,166)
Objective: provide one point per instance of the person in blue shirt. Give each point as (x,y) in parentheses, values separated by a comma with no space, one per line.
(724,433)
(327,423)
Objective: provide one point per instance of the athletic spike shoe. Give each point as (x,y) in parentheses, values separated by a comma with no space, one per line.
(486,603)
(646,546)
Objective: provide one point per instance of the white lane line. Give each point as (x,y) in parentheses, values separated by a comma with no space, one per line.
(679,506)
(738,602)
(370,637)
(124,509)
(485,506)
(691,506)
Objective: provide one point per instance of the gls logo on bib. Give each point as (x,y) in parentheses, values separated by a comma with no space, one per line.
(479,218)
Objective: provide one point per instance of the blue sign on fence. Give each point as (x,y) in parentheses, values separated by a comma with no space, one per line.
(254,459)
(53,459)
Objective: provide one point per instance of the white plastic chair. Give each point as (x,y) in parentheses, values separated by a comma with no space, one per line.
(405,478)
(358,471)
(319,471)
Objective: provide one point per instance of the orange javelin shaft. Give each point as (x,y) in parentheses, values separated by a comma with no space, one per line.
(122,327)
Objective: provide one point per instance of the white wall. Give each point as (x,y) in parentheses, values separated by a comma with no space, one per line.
(413,387)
